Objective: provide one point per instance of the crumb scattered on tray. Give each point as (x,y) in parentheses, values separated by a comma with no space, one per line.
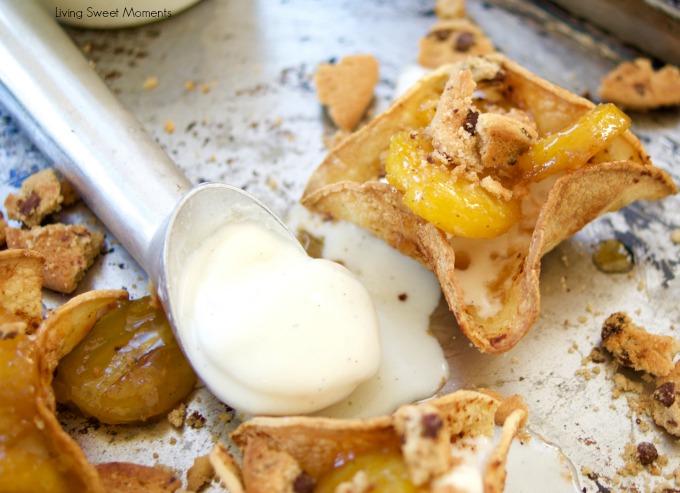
(346,88)
(508,406)
(451,40)
(200,473)
(450,9)
(636,348)
(646,407)
(637,86)
(69,194)
(150,83)
(69,250)
(666,401)
(177,415)
(195,420)
(40,195)
(642,456)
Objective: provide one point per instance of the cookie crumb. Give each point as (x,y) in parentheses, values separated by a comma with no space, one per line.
(637,86)
(150,83)
(195,420)
(69,251)
(508,406)
(39,196)
(346,88)
(177,416)
(200,473)
(450,9)
(665,402)
(452,40)
(636,348)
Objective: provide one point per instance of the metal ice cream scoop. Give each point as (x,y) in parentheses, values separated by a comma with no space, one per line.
(120,171)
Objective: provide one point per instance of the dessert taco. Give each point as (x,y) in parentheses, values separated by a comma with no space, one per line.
(442,445)
(479,170)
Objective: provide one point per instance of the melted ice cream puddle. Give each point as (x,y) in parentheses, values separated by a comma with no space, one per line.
(534,466)
(404,293)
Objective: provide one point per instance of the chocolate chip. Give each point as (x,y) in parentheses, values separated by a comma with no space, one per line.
(432,423)
(403,297)
(646,453)
(30,204)
(464,42)
(441,34)
(8,335)
(613,325)
(640,89)
(498,78)
(624,358)
(665,394)
(470,123)
(304,483)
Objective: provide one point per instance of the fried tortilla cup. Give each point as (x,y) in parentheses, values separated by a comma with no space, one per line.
(38,455)
(424,444)
(491,284)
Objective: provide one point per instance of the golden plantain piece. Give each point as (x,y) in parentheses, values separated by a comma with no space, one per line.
(477,171)
(128,368)
(419,448)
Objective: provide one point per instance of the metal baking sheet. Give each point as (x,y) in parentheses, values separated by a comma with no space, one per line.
(253,120)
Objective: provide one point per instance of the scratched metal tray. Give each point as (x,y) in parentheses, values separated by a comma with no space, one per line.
(253,121)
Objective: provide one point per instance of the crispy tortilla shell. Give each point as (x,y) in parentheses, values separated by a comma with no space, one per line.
(280,451)
(347,185)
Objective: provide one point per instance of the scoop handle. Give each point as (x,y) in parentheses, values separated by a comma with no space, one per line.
(49,87)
